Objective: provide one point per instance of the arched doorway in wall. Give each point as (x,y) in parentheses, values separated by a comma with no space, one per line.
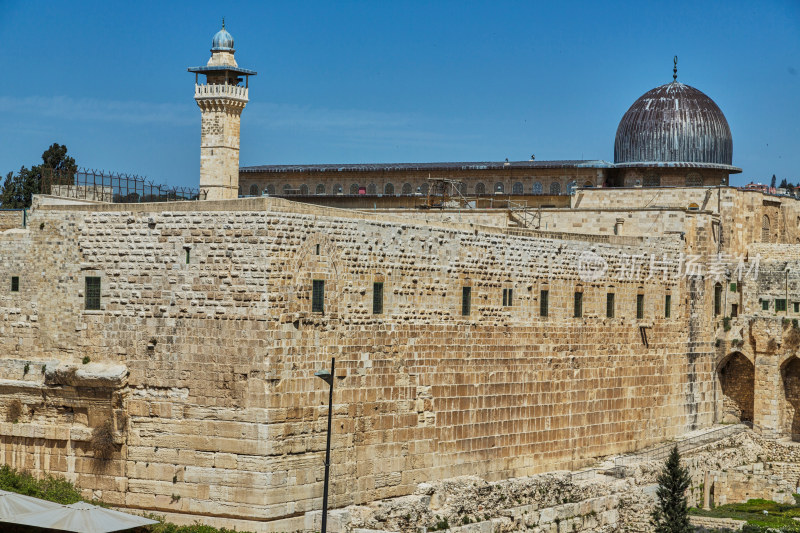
(254,190)
(790,408)
(765,224)
(735,378)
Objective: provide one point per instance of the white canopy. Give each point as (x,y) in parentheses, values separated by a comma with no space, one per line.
(13,505)
(81,518)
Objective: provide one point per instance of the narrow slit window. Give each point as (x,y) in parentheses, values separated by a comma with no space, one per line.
(14,283)
(507,294)
(466,296)
(578,304)
(377,298)
(717,299)
(610,305)
(667,305)
(640,306)
(543,302)
(318,296)
(316,249)
(92,295)
(188,255)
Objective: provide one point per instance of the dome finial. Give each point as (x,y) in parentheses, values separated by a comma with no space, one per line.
(674,68)
(223,23)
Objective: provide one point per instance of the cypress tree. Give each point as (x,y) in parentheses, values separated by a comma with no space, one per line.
(671,514)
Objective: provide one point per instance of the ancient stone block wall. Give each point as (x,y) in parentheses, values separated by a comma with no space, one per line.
(11,219)
(217,411)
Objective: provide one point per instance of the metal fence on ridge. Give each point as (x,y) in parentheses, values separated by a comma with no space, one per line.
(102,186)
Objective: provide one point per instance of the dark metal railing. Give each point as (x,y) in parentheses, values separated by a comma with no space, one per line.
(101,186)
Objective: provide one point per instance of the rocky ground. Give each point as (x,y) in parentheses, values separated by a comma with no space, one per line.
(590,500)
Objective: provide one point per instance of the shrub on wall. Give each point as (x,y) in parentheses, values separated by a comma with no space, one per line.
(102,443)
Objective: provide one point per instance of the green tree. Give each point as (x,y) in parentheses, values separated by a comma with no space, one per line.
(671,514)
(772,183)
(18,189)
(783,184)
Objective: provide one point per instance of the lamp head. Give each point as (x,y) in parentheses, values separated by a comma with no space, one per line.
(324,375)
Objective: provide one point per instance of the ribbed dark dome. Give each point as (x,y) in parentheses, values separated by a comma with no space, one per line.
(674,123)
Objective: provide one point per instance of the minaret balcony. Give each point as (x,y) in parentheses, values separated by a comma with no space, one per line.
(213,91)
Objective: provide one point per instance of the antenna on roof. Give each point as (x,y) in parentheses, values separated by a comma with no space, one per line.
(675,69)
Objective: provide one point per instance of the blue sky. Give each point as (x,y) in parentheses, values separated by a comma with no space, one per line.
(380,81)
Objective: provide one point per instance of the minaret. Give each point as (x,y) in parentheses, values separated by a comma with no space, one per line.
(221,100)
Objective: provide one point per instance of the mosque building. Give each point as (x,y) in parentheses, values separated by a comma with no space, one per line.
(672,136)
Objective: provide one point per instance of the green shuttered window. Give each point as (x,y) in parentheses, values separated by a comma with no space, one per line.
(377,298)
(92,295)
(318,296)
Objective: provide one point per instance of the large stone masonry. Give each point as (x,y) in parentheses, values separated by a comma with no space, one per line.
(207,310)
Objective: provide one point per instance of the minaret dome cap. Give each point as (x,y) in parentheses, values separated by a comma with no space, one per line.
(223,41)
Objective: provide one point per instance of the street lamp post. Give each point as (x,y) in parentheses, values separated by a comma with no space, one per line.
(327,377)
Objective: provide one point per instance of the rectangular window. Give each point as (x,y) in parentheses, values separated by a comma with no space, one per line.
(14,283)
(92,295)
(796,307)
(377,298)
(466,295)
(318,296)
(578,304)
(765,305)
(780,305)
(507,293)
(640,306)
(717,299)
(733,287)
(543,297)
(610,305)
(667,305)
(734,310)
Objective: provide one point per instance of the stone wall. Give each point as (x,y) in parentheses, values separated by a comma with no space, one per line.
(217,412)
(11,219)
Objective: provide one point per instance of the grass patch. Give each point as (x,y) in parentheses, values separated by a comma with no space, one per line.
(778,515)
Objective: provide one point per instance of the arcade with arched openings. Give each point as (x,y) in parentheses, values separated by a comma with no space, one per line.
(790,401)
(735,385)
